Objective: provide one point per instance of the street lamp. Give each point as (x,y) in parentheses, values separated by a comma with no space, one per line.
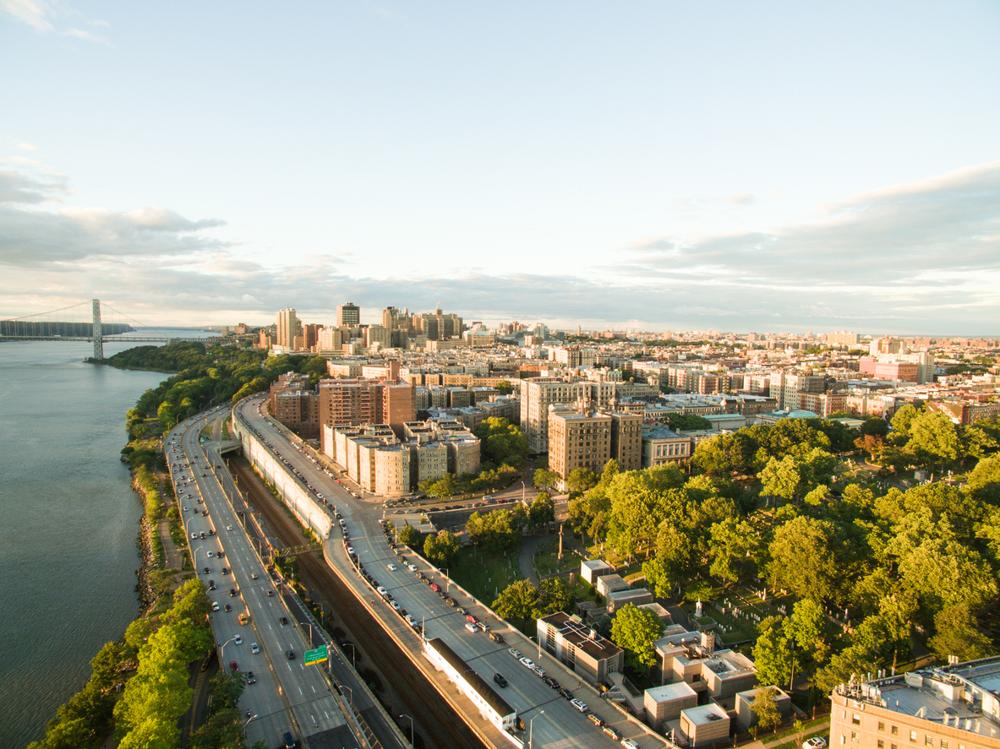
(248,722)
(530,722)
(447,581)
(222,649)
(404,715)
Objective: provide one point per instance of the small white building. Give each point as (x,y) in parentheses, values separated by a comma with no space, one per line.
(591,569)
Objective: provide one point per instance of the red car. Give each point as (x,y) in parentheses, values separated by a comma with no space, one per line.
(234,665)
(471,619)
(435,587)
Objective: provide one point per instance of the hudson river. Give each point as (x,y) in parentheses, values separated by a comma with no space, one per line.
(68,524)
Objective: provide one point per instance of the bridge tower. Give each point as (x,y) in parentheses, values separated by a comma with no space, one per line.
(98,338)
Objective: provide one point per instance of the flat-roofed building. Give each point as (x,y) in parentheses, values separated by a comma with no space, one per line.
(605,584)
(663,445)
(665,702)
(537,395)
(746,717)
(578,440)
(581,648)
(626,440)
(397,405)
(952,707)
(705,726)
(392,470)
(635,596)
(692,657)
(428,461)
(592,569)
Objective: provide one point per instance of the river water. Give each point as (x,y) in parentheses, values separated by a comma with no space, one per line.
(68,523)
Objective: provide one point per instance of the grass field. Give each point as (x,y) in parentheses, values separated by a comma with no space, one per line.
(484,573)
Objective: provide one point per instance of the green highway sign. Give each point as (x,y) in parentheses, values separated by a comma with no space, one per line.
(314,656)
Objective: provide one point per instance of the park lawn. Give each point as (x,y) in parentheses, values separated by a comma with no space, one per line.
(484,573)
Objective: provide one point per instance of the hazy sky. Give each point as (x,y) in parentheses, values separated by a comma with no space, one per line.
(733,165)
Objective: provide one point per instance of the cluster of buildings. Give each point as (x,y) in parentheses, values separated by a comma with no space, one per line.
(706,690)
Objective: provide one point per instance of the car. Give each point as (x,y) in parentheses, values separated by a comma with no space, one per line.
(579,705)
(206,570)
(381,591)
(238,639)
(225,570)
(411,621)
(526,662)
(234,665)
(816,742)
(194,536)
(290,655)
(255,648)
(394,604)
(411,566)
(514,652)
(284,620)
(254,576)
(391,567)
(630,744)
(229,527)
(185,508)
(500,680)
(481,626)
(610,733)
(435,587)
(289,741)
(470,627)
(550,682)
(565,693)
(215,606)
(538,670)
(251,679)
(471,619)
(232,592)
(211,554)
(350,550)
(227,608)
(595,720)
(461,610)
(270,594)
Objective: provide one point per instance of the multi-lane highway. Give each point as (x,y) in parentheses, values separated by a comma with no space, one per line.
(282,695)
(553,720)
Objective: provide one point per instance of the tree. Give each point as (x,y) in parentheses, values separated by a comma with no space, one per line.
(501,442)
(774,652)
(440,548)
(543,478)
(873,444)
(504,387)
(765,708)
(956,634)
(900,423)
(493,530)
(781,478)
(984,480)
(636,630)
(734,549)
(553,595)
(874,426)
(934,439)
(580,479)
(809,630)
(517,602)
(801,559)
(542,510)
(409,536)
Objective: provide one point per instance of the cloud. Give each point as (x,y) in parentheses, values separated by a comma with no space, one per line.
(50,17)
(32,234)
(920,258)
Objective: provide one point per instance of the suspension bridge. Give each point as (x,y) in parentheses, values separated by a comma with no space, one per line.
(39,327)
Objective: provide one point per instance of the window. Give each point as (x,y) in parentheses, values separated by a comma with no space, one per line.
(913,735)
(856,719)
(894,730)
(881,725)
(880,744)
(928,741)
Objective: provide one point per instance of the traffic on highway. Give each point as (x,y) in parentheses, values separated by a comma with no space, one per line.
(415,601)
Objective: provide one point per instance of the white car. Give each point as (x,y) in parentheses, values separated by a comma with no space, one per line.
(238,640)
(630,744)
(255,648)
(411,621)
(816,742)
(211,554)
(381,591)
(526,662)
(411,567)
(391,567)
(579,705)
(229,527)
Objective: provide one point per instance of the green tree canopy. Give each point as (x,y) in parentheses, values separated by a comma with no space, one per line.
(636,630)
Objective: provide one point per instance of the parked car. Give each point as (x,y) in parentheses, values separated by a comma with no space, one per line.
(816,742)
(497,637)
(500,680)
(580,705)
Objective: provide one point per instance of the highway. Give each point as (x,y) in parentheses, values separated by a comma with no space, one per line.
(555,723)
(287,696)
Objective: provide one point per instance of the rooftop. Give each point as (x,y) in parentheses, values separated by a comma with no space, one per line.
(964,696)
(575,632)
(705,714)
(669,692)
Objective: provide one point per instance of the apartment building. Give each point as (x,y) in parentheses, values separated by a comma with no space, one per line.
(537,395)
(581,648)
(786,387)
(626,440)
(348,315)
(578,440)
(294,403)
(348,402)
(952,707)
(398,405)
(287,328)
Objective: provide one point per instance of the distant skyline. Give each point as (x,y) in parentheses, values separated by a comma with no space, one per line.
(653,165)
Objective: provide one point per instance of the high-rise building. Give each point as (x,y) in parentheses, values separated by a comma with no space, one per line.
(626,440)
(288,327)
(786,386)
(348,315)
(397,405)
(536,396)
(377,335)
(348,402)
(578,440)
(952,707)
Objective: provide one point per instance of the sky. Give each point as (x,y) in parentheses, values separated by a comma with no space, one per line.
(660,165)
